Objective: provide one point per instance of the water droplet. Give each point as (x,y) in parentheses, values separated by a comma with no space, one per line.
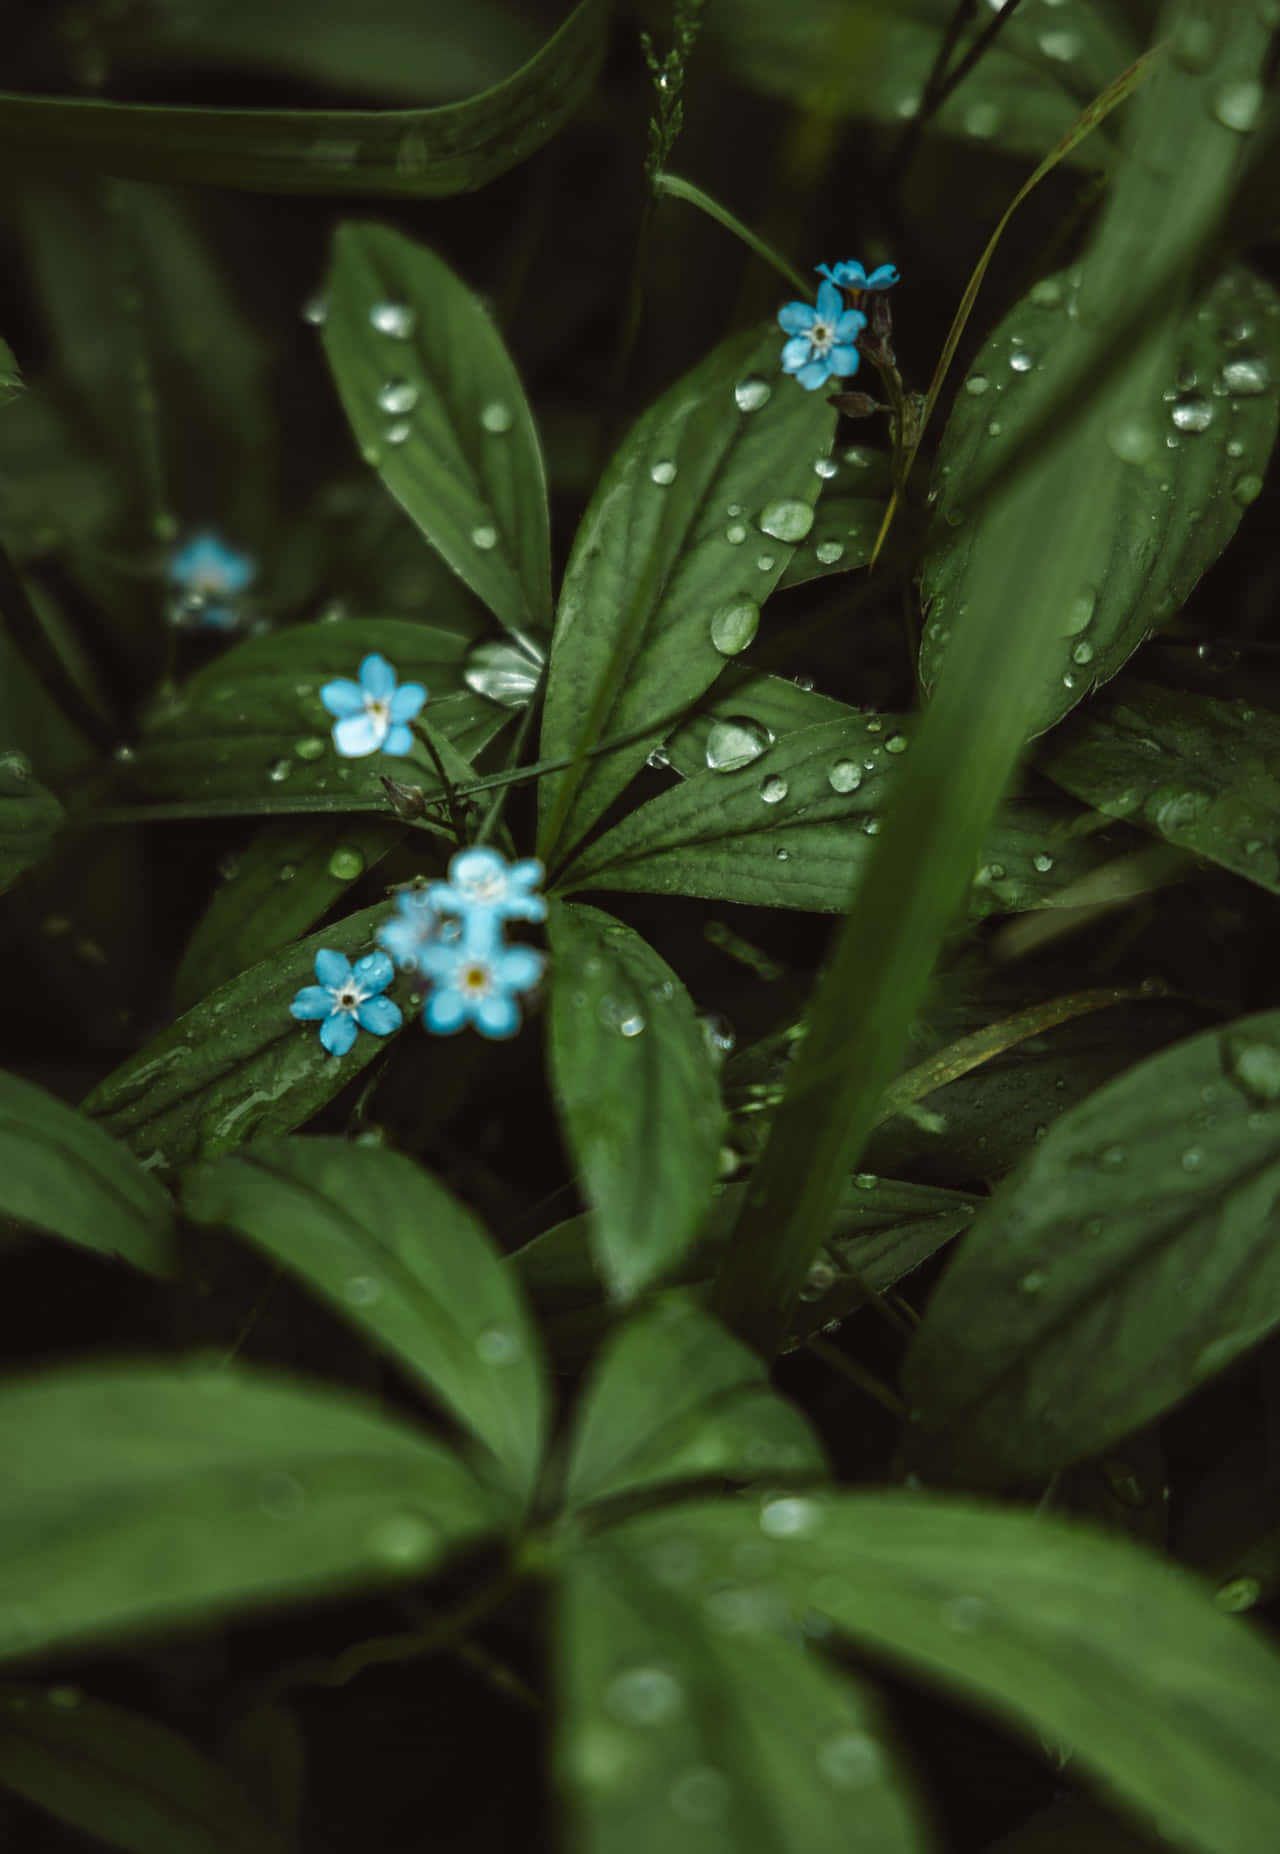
(663,472)
(977,384)
(871,827)
(1083,653)
(994,428)
(279,771)
(484,537)
(773,789)
(1192,412)
(790,1518)
(845,776)
(896,743)
(1021,361)
(497,417)
(1245,376)
(964,1615)
(1062,47)
(397,433)
(394,319)
(700,1795)
(644,1696)
(1132,440)
(734,626)
(849,1760)
(1237,103)
(1235,448)
(658,760)
(825,467)
(286,872)
(316,309)
(1032,1283)
(828,552)
(404,1539)
(310,747)
(346,864)
(786,519)
(982,120)
(498,1345)
(752,393)
(765,562)
(735,742)
(1080,614)
(718,1034)
(397,396)
(1047,294)
(735,534)
(1042,863)
(1238,1594)
(362,1290)
(783,855)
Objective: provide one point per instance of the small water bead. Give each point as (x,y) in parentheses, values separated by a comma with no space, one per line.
(658,760)
(316,309)
(829,552)
(765,563)
(734,626)
(994,428)
(394,319)
(1235,447)
(735,534)
(718,1034)
(783,855)
(1032,1283)
(825,467)
(896,743)
(1046,294)
(397,433)
(1083,653)
(850,1760)
(1246,376)
(1237,103)
(497,417)
(790,1518)
(663,472)
(644,1696)
(1238,1594)
(845,776)
(1020,361)
(498,1345)
(977,384)
(286,872)
(752,393)
(1192,412)
(346,863)
(1042,862)
(1113,1158)
(279,771)
(484,537)
(1246,489)
(786,519)
(735,742)
(1192,1159)
(397,395)
(803,682)
(310,747)
(773,789)
(871,827)
(1062,47)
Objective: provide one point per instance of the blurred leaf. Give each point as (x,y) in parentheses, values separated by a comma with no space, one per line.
(386,1246)
(1173,445)
(11,381)
(236,1066)
(63,1174)
(53,487)
(1130,1258)
(689,1721)
(291,872)
(159,1495)
(420,152)
(670,550)
(637,1094)
(30,818)
(676,1398)
(1202,774)
(124,1779)
(1069,1826)
(436,405)
(1103,1647)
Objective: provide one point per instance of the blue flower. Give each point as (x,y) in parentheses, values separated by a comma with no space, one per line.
(348,996)
(822,339)
(207,578)
(415,924)
(484,890)
(372,713)
(851,276)
(477,985)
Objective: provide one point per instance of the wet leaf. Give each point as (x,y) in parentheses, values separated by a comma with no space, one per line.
(29,818)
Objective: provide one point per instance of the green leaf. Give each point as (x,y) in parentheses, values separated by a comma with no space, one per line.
(1174,444)
(65,1175)
(385,1244)
(671,543)
(847,518)
(437,407)
(29,818)
(140,1496)
(637,1094)
(124,1779)
(1200,773)
(11,382)
(676,1398)
(1101,1646)
(249,733)
(424,153)
(1070,1825)
(237,1066)
(1131,1257)
(692,1723)
(291,873)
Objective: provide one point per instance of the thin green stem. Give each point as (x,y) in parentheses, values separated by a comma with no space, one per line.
(457,818)
(678,189)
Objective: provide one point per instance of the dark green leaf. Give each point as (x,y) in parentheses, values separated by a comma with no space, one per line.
(29,818)
(10,377)
(637,1093)
(146,1495)
(1174,450)
(420,152)
(847,518)
(1103,1647)
(51,488)
(436,405)
(671,548)
(1071,1825)
(124,1779)
(676,1398)
(772,703)
(1132,1256)
(291,873)
(65,1175)
(389,1248)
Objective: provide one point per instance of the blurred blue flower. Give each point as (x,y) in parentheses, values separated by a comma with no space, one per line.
(477,985)
(207,577)
(484,890)
(346,997)
(415,924)
(372,713)
(822,339)
(851,276)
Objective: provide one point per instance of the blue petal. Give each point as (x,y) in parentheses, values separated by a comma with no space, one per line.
(527,873)
(825,270)
(850,325)
(355,736)
(332,969)
(312,1003)
(497,1015)
(812,376)
(883,277)
(519,967)
(830,302)
(407,700)
(379,1015)
(795,318)
(343,697)
(399,741)
(438,963)
(796,353)
(338,1033)
(445,1011)
(373,973)
(377,678)
(402,939)
(844,361)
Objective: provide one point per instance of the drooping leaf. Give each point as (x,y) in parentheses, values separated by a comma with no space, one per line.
(637,1093)
(1201,773)
(1131,1257)
(123,1778)
(1099,1645)
(291,872)
(1174,449)
(692,1722)
(676,1398)
(437,407)
(29,818)
(237,1066)
(394,1253)
(141,1495)
(430,153)
(64,1174)
(693,525)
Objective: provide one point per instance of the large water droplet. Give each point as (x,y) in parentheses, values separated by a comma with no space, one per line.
(786,519)
(734,626)
(1021,361)
(497,417)
(977,384)
(346,863)
(735,741)
(484,537)
(1237,103)
(663,472)
(1245,376)
(773,789)
(845,776)
(829,552)
(896,743)
(644,1696)
(397,396)
(752,393)
(394,319)
(1192,412)
(825,467)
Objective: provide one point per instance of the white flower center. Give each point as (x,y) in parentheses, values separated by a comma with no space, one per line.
(347,997)
(822,335)
(474,979)
(377,710)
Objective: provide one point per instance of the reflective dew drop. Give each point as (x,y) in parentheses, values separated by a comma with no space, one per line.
(773,789)
(1246,376)
(896,743)
(977,384)
(752,393)
(735,533)
(279,771)
(316,309)
(829,552)
(1080,614)
(1192,412)
(765,563)
(402,1539)
(397,396)
(850,1760)
(663,472)
(845,776)
(1132,440)
(497,417)
(1237,103)
(1046,294)
(734,626)
(735,742)
(484,537)
(1062,47)
(1083,652)
(825,467)
(397,433)
(1042,863)
(790,1518)
(1020,361)
(644,1696)
(786,519)
(310,747)
(346,864)
(394,319)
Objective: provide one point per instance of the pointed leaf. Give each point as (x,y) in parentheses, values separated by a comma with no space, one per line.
(437,407)
(139,1495)
(29,818)
(384,1244)
(637,1094)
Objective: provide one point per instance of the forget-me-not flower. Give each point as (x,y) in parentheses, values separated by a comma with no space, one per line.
(348,999)
(372,713)
(415,924)
(207,577)
(477,985)
(822,339)
(851,276)
(484,890)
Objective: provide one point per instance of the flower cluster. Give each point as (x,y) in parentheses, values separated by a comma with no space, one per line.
(206,579)
(374,713)
(823,341)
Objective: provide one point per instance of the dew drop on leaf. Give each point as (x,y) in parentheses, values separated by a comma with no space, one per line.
(278,771)
(829,552)
(734,626)
(785,519)
(394,319)
(1237,103)
(845,776)
(792,1517)
(977,384)
(498,1345)
(346,864)
(849,1760)
(484,537)
(735,742)
(752,393)
(497,417)
(397,395)
(402,1539)
(773,789)
(663,472)
(1192,412)
(310,747)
